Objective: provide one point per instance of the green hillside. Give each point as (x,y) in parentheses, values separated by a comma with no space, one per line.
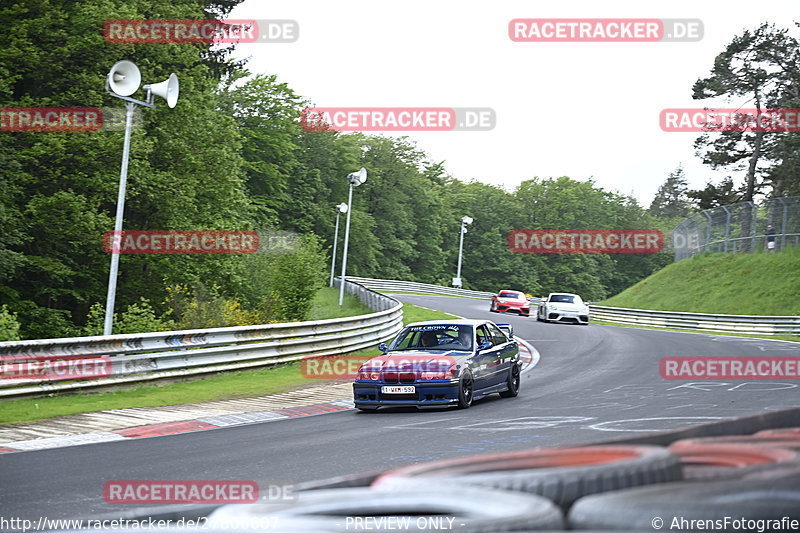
(739,284)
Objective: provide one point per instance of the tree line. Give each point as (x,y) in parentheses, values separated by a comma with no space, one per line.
(233,156)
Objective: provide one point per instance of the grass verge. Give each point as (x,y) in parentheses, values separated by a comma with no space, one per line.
(738,284)
(244,384)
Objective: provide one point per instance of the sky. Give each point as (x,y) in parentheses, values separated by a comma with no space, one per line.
(583,110)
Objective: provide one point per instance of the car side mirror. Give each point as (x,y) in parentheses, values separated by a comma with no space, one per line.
(484,346)
(382,347)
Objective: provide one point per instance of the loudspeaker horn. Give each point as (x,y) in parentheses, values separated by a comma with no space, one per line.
(357,178)
(167,89)
(124,78)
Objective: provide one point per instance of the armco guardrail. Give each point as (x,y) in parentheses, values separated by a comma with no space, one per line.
(390,285)
(143,357)
(764,325)
(760,324)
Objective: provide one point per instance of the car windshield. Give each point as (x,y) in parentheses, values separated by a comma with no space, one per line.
(434,337)
(512,295)
(563,298)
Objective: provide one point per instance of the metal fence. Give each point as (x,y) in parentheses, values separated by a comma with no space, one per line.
(142,357)
(739,227)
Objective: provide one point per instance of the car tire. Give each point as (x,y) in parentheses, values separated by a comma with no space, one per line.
(466,390)
(512,382)
(560,474)
(716,459)
(480,510)
(774,494)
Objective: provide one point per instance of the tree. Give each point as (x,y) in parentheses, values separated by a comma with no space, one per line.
(671,199)
(716,195)
(757,65)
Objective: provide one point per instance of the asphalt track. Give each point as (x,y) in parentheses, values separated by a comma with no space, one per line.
(592,383)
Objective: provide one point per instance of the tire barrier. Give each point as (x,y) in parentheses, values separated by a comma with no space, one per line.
(468,510)
(787,432)
(695,506)
(713,460)
(561,474)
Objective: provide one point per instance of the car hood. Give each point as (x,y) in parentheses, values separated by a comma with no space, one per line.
(512,301)
(568,307)
(415,359)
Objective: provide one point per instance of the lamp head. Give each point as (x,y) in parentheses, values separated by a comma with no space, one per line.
(466,219)
(342,208)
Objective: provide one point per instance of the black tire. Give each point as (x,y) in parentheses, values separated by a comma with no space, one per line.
(560,474)
(466,390)
(775,495)
(479,510)
(513,382)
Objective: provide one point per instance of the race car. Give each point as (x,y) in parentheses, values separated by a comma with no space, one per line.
(562,306)
(440,363)
(505,301)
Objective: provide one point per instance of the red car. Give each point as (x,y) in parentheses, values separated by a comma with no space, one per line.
(505,301)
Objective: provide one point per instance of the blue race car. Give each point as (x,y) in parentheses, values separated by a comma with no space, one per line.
(440,363)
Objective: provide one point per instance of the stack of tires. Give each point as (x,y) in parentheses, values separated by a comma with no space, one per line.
(718,483)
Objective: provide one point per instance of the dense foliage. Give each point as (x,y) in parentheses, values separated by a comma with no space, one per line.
(232,155)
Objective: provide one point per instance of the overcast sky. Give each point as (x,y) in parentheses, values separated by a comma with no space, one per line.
(563,109)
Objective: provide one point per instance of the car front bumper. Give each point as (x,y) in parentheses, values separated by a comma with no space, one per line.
(503,308)
(434,393)
(564,316)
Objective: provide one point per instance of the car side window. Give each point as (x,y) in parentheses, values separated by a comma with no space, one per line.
(498,337)
(483,335)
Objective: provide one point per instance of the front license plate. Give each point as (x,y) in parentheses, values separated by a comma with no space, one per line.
(398,390)
(570,315)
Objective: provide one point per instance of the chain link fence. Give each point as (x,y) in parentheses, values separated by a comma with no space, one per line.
(742,227)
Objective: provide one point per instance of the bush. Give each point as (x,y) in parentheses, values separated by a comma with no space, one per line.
(137,318)
(9,325)
(200,307)
(294,278)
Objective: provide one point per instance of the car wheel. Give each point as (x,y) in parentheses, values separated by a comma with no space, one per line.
(465,390)
(512,382)
(492,308)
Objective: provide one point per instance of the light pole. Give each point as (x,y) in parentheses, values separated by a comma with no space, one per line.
(355,179)
(464,221)
(341,208)
(122,81)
